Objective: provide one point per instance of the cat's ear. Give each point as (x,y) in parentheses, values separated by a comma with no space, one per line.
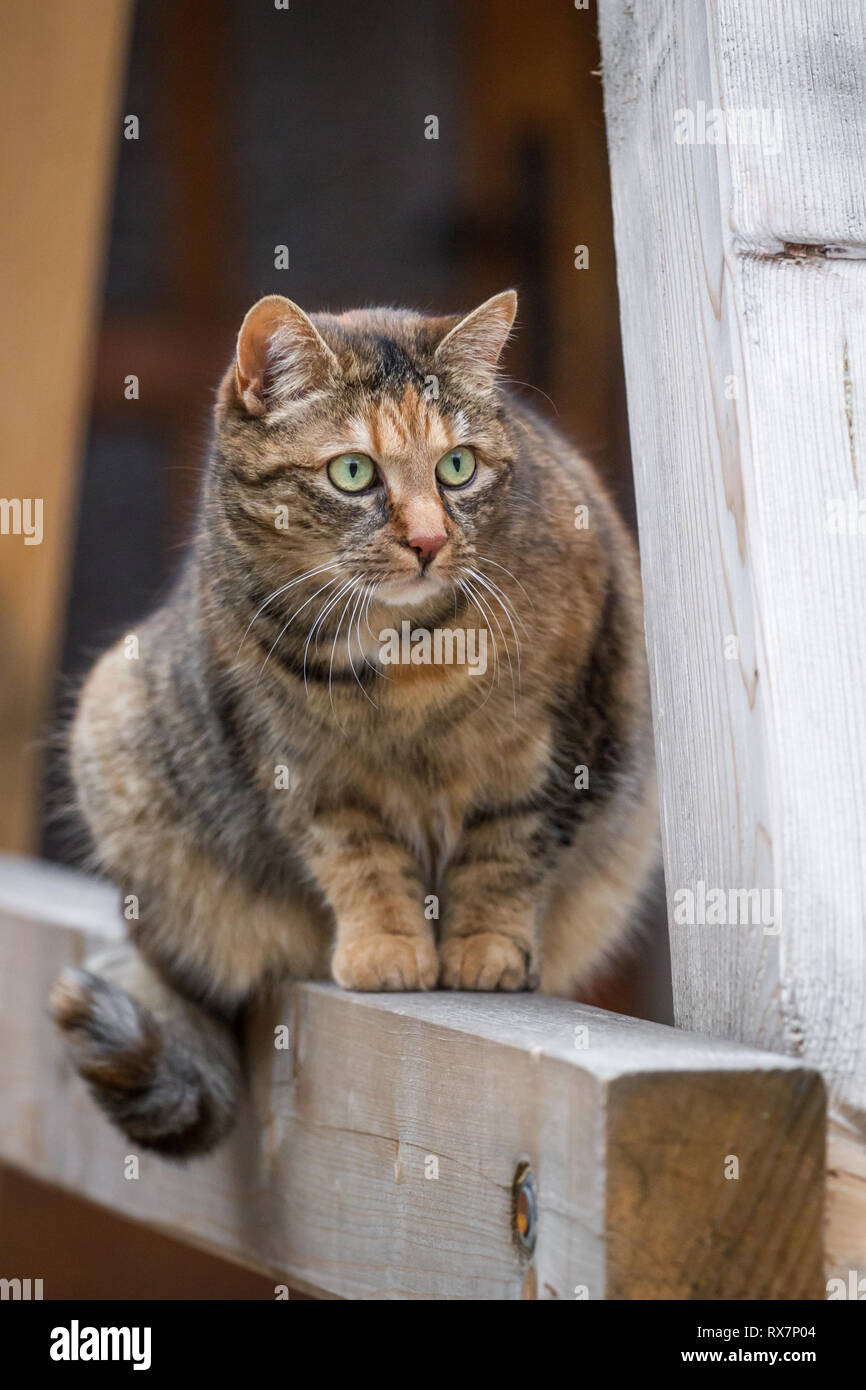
(280,356)
(473,346)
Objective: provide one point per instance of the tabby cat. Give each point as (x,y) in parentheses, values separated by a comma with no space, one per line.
(278,800)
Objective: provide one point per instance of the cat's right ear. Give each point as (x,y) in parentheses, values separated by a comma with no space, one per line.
(281,356)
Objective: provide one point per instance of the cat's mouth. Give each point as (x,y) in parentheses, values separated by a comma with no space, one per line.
(415,589)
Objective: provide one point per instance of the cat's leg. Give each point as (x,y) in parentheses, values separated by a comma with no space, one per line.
(376,891)
(493,889)
(163,1069)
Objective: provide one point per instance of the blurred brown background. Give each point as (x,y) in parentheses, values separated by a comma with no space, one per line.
(258,127)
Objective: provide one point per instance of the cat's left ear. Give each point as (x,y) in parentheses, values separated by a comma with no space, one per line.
(280,356)
(473,346)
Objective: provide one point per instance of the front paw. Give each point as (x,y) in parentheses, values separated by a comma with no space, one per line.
(485,960)
(382,961)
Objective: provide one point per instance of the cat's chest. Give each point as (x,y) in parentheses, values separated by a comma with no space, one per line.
(431,828)
(426,791)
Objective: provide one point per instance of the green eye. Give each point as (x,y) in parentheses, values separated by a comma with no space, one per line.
(456,467)
(351,472)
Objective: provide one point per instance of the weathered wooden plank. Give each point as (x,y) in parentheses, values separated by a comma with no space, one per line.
(743,290)
(328,1182)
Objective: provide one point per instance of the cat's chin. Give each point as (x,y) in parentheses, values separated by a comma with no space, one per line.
(416,592)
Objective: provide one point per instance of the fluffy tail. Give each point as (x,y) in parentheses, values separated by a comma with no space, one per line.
(163,1069)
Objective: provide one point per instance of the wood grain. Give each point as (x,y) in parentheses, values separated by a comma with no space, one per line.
(628,1127)
(743,289)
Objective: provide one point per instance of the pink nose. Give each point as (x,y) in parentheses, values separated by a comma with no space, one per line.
(427,547)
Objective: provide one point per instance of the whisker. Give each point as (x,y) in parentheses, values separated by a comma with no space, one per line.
(367,613)
(309,574)
(496,592)
(487,561)
(479,604)
(491,682)
(501,599)
(356,618)
(512,381)
(364,611)
(291,619)
(352,592)
(476,577)
(330,603)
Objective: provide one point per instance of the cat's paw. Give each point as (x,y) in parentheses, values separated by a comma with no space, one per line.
(386,961)
(485,960)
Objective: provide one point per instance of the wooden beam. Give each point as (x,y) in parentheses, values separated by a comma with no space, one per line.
(740,251)
(375,1156)
(60,73)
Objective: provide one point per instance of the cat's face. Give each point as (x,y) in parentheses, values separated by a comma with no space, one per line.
(366,448)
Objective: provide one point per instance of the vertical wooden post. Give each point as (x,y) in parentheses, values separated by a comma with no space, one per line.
(736,132)
(60,71)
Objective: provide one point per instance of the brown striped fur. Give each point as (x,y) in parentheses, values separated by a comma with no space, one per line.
(406,781)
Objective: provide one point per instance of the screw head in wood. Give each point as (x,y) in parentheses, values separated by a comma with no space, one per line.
(525,1208)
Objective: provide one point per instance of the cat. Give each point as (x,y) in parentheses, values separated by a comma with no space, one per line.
(279,801)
